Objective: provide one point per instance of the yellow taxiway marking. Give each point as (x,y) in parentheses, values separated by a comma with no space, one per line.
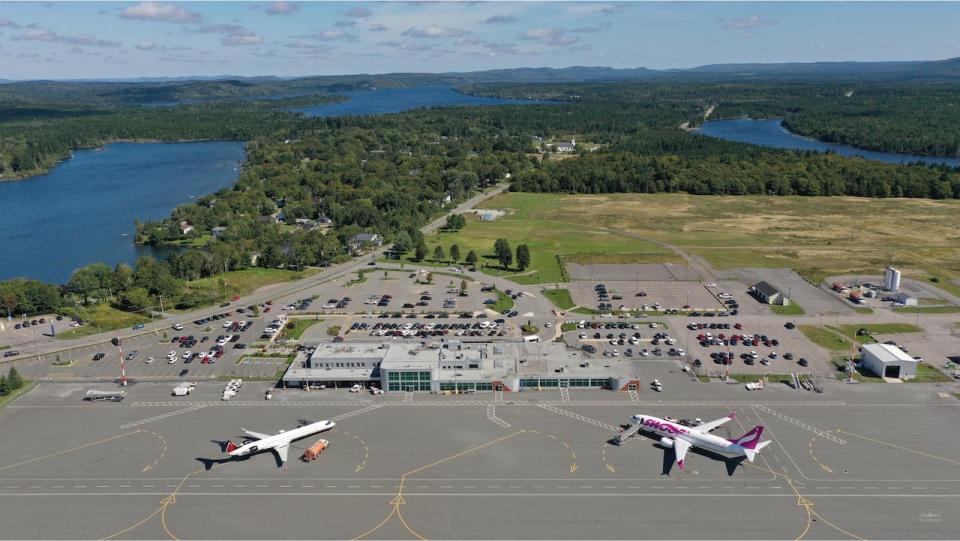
(888,444)
(72,449)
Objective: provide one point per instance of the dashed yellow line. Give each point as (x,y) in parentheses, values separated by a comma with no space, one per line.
(72,449)
(366,451)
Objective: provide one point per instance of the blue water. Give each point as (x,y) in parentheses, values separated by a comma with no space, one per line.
(770,133)
(395,100)
(83,210)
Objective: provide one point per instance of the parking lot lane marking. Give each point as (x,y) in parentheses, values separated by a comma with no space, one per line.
(72,449)
(917,451)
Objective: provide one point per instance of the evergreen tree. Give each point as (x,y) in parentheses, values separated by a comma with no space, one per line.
(438,254)
(523,256)
(471,258)
(421,251)
(501,249)
(14,381)
(4,389)
(455,253)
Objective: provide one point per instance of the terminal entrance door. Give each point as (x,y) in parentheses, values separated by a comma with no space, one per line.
(632,387)
(564,383)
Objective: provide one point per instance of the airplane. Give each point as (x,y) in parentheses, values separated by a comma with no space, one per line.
(682,438)
(279,443)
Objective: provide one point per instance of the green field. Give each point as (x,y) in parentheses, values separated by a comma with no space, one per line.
(550,232)
(928,374)
(824,337)
(816,236)
(928,309)
(299,327)
(244,282)
(6,399)
(503,304)
(792,309)
(560,298)
(104,316)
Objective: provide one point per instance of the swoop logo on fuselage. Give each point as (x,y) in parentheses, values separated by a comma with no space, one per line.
(664,427)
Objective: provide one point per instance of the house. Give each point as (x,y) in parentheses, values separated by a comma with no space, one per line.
(305,224)
(360,241)
(218,231)
(768,294)
(186,227)
(323,221)
(565,146)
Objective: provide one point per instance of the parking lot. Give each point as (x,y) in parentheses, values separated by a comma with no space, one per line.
(645,295)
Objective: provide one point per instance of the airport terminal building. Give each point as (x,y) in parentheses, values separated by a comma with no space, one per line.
(456,366)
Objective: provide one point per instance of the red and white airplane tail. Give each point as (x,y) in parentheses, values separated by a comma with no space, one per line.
(231,447)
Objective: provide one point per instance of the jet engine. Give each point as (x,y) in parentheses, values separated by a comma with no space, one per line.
(666,443)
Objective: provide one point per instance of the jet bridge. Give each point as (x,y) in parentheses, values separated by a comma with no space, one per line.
(626,434)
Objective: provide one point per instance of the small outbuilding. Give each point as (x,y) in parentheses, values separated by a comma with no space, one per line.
(768,294)
(888,361)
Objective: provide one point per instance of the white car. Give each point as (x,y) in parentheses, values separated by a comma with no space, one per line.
(177,327)
(548,324)
(653,325)
(187,355)
(226,324)
(711,284)
(583,336)
(150,359)
(171,360)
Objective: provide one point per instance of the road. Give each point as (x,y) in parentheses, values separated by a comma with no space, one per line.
(268,293)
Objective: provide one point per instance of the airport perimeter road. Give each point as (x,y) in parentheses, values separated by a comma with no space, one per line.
(536,465)
(272,292)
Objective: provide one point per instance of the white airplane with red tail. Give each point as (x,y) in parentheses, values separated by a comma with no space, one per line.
(279,443)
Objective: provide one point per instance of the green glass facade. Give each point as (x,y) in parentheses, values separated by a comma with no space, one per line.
(413,380)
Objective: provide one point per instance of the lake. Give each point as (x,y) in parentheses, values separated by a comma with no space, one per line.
(771,133)
(395,100)
(83,210)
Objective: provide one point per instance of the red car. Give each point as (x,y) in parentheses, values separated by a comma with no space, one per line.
(235,298)
(265,310)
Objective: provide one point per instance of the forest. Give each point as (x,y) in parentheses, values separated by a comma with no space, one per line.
(310,184)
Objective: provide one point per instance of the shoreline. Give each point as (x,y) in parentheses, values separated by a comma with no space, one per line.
(40,173)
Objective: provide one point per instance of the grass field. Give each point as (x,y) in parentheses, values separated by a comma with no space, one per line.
(504,303)
(824,337)
(560,298)
(928,309)
(299,327)
(792,309)
(244,282)
(104,316)
(928,374)
(27,385)
(816,236)
(550,231)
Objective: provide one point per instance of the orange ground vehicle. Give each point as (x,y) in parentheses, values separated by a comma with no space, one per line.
(314,450)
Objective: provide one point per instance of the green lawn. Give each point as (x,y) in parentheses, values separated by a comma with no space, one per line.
(825,338)
(299,327)
(244,282)
(503,304)
(792,309)
(928,309)
(928,374)
(551,232)
(27,385)
(103,315)
(560,298)
(880,328)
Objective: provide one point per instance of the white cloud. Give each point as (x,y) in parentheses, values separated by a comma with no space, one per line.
(754,21)
(281,7)
(499,19)
(433,31)
(345,24)
(603,8)
(333,35)
(554,37)
(357,13)
(43,34)
(377,28)
(234,34)
(157,11)
(7,23)
(149,46)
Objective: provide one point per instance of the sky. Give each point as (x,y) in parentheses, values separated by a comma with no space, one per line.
(88,40)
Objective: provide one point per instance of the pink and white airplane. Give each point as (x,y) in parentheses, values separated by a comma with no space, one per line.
(681,438)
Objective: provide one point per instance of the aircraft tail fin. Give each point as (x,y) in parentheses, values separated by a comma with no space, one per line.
(231,447)
(750,439)
(752,453)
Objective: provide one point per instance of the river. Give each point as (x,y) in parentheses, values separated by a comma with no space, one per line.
(83,210)
(396,100)
(771,133)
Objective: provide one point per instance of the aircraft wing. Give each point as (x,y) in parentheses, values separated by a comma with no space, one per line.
(707,427)
(680,448)
(282,452)
(256,435)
